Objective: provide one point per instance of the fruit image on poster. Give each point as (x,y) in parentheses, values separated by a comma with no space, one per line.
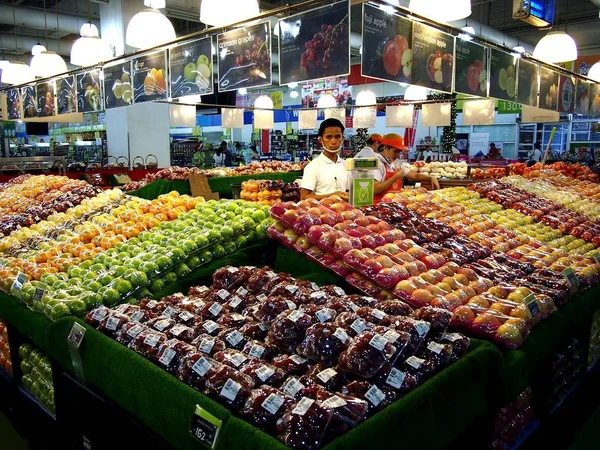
(28,94)
(45,99)
(315,44)
(66,95)
(582,97)
(566,94)
(548,89)
(386,52)
(191,68)
(13,104)
(245,57)
(528,87)
(595,100)
(117,85)
(471,69)
(88,91)
(149,73)
(503,75)
(433,58)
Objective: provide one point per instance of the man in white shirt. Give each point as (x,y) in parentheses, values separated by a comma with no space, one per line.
(372,147)
(535,155)
(326,175)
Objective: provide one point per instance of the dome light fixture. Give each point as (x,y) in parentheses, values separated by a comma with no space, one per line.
(594,72)
(556,47)
(294,94)
(47,64)
(149,28)
(90,49)
(441,10)
(467,34)
(366,98)
(415,93)
(17,72)
(263,102)
(218,13)
(326,101)
(37,49)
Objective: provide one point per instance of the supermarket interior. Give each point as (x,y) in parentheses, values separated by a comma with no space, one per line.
(300,224)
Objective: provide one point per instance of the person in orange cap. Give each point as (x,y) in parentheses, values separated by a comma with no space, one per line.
(389,179)
(372,148)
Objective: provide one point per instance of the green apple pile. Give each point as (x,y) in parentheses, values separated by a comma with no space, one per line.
(37,375)
(144,265)
(199,72)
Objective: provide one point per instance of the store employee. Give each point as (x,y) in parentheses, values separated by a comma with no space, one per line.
(326,175)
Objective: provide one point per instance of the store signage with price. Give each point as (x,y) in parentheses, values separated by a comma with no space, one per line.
(505,107)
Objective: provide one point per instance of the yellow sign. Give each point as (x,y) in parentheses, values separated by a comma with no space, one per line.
(277,98)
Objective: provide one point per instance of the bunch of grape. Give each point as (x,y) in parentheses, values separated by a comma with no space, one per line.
(331,40)
(259,55)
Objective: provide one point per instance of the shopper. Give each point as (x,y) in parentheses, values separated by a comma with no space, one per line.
(219,156)
(326,175)
(372,147)
(388,179)
(494,153)
(535,155)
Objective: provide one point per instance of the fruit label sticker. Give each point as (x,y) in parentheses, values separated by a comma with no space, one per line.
(202,366)
(503,75)
(20,280)
(215,309)
(235,302)
(415,362)
(261,298)
(298,359)
(291,288)
(378,342)
(303,406)
(264,373)
(422,327)
(452,337)
(378,314)
(316,45)
(323,315)
(185,316)
(112,323)
(234,338)
(162,324)
(548,89)
(205,427)
(152,339)
(178,329)
(256,351)
(118,90)
(149,73)
(532,305)
(100,313)
(386,45)
(341,335)
(471,68)
(135,330)
(89,94)
(292,386)
(169,311)
(210,326)
(294,316)
(433,58)
(435,347)
(395,378)
(237,359)
(206,345)
(241,291)
(571,278)
(326,375)
(334,402)
(191,68)
(76,335)
(359,326)
(137,316)
(391,336)
(528,83)
(272,403)
(374,395)
(230,390)
(167,356)
(223,294)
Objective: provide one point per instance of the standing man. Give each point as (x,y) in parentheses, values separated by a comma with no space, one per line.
(326,175)
(371,149)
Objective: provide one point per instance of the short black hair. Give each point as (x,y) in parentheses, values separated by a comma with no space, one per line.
(537,146)
(331,122)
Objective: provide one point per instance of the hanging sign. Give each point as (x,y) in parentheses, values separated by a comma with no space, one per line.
(437,114)
(315,44)
(149,74)
(46,105)
(433,58)
(531,114)
(479,112)
(336,113)
(118,90)
(29,96)
(582,97)
(548,89)
(232,117)
(471,69)
(66,95)
(307,119)
(365,117)
(245,57)
(191,68)
(88,91)
(566,94)
(14,104)
(386,41)
(528,87)
(503,75)
(595,100)
(399,116)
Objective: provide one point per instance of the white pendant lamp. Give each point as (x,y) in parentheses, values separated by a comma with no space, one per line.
(263,113)
(90,49)
(594,73)
(415,94)
(149,28)
(4,64)
(366,98)
(224,12)
(441,10)
(17,73)
(556,47)
(263,102)
(326,101)
(37,49)
(294,94)
(47,64)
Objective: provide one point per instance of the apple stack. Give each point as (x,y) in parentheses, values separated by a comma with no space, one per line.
(5,360)
(511,419)
(37,375)
(441,169)
(302,362)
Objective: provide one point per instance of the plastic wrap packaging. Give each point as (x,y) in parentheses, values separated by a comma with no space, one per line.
(367,353)
(260,350)
(323,343)
(421,369)
(257,331)
(112,323)
(288,330)
(234,320)
(440,353)
(147,342)
(229,386)
(211,327)
(208,345)
(265,406)
(331,379)
(230,277)
(319,313)
(233,358)
(390,377)
(263,373)
(129,331)
(291,364)
(376,398)
(171,353)
(269,309)
(352,323)
(459,342)
(233,338)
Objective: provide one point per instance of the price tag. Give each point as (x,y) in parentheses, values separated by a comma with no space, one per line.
(235,302)
(295,316)
(391,336)
(206,345)
(162,324)
(223,294)
(202,366)
(205,427)
(298,359)
(169,311)
(178,329)
(137,316)
(234,338)
(237,359)
(39,294)
(314,286)
(20,280)
(167,356)
(201,289)
(326,375)
(323,315)
(378,342)
(415,362)
(186,315)
(378,314)
(571,278)
(215,309)
(339,291)
(256,351)
(303,406)
(290,304)
(264,373)
(374,395)
(353,306)
(233,270)
(318,295)
(417,185)
(422,327)
(230,389)
(241,291)
(152,339)
(100,313)
(261,298)
(291,288)
(452,337)
(532,305)
(76,335)
(395,378)
(334,402)
(112,323)
(151,304)
(272,403)
(210,326)
(359,326)
(292,386)
(435,347)
(135,330)
(341,334)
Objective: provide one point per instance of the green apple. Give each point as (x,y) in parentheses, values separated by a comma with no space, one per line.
(157,285)
(203,60)
(138,278)
(193,262)
(205,256)
(182,270)
(59,311)
(77,307)
(122,285)
(110,296)
(143,293)
(230,247)
(218,251)
(170,278)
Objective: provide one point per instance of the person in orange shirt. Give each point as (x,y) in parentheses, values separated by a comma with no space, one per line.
(389,179)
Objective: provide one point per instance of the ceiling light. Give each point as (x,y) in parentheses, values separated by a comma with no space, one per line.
(441,10)
(293,85)
(294,94)
(37,49)
(366,98)
(468,33)
(415,93)
(224,12)
(17,73)
(4,64)
(47,64)
(263,102)
(156,4)
(242,91)
(88,29)
(556,47)
(326,101)
(594,73)
(149,28)
(90,49)
(519,49)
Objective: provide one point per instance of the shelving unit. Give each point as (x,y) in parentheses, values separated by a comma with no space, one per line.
(528,136)
(34,163)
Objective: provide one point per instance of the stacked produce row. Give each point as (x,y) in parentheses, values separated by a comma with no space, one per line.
(269,192)
(5,359)
(37,375)
(302,362)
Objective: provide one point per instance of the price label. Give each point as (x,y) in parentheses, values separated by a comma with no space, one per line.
(359,326)
(291,288)
(19,282)
(292,386)
(571,278)
(151,304)
(339,291)
(135,330)
(205,427)
(395,378)
(241,291)
(374,395)
(215,309)
(169,311)
(452,337)
(391,336)
(76,335)
(415,362)
(112,323)
(295,316)
(326,375)
(323,315)
(303,406)
(167,356)
(334,402)
(230,389)
(261,298)
(257,351)
(178,329)
(378,314)
(210,326)
(298,359)
(422,327)
(137,316)
(223,294)
(234,338)
(162,324)
(435,347)
(39,294)
(100,313)
(206,345)
(237,359)
(272,403)
(378,342)
(264,373)
(341,334)
(202,366)
(532,305)
(235,302)
(186,315)
(152,339)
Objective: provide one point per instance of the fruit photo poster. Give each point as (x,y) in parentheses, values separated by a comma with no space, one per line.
(566,94)
(528,88)
(45,99)
(149,75)
(191,68)
(13,104)
(66,95)
(433,58)
(595,100)
(29,101)
(88,91)
(503,75)
(471,69)
(582,97)
(245,58)
(315,44)
(117,85)
(548,89)
(386,52)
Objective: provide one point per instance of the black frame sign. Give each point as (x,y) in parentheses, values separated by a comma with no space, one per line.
(315,44)
(528,87)
(118,90)
(46,101)
(548,89)
(14,106)
(66,95)
(582,97)
(29,97)
(433,58)
(149,74)
(471,69)
(244,57)
(386,46)
(191,68)
(595,100)
(89,94)
(566,94)
(503,75)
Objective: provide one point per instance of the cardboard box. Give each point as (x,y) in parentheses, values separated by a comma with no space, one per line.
(200,187)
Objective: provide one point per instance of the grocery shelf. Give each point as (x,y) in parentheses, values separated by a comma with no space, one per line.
(33,400)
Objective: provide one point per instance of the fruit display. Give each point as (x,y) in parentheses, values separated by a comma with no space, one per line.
(440,169)
(5,359)
(307,377)
(37,375)
(269,192)
(512,419)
